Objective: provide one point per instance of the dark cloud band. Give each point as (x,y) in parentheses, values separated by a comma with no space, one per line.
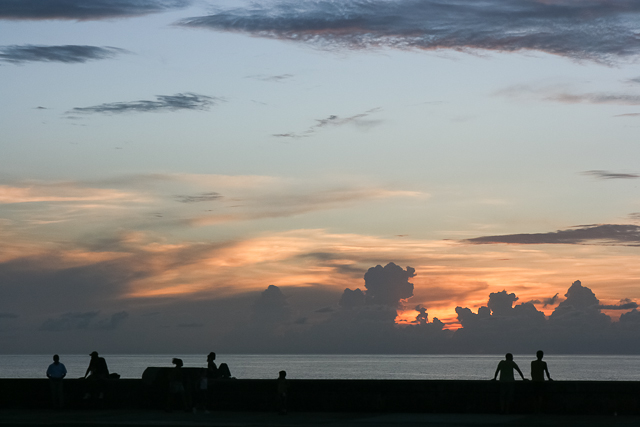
(180,101)
(83,9)
(67,54)
(606,234)
(601,174)
(602,31)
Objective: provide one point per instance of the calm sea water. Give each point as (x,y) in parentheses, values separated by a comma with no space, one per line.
(417,367)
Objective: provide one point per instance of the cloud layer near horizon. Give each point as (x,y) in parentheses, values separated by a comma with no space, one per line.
(602,31)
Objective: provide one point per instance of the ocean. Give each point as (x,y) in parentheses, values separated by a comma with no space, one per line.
(405,367)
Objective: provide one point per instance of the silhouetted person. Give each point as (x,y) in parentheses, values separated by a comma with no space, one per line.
(283,388)
(97,369)
(56,372)
(213,372)
(538,369)
(212,369)
(176,386)
(97,374)
(507,381)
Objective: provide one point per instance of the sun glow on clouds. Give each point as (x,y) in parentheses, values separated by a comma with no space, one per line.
(309,257)
(177,266)
(59,193)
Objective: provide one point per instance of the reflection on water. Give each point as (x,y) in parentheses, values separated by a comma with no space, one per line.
(412,367)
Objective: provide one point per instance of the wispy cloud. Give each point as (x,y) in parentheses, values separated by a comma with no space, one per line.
(8,316)
(597,30)
(625,304)
(180,101)
(298,201)
(202,197)
(68,54)
(601,234)
(30,192)
(277,79)
(334,121)
(83,9)
(596,98)
(86,320)
(601,174)
(562,95)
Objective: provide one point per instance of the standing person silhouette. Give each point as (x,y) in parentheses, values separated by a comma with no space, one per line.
(283,388)
(56,372)
(176,387)
(539,368)
(507,381)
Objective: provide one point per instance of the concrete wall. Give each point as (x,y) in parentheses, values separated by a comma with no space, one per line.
(595,397)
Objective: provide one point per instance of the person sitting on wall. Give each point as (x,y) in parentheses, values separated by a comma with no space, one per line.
(214,372)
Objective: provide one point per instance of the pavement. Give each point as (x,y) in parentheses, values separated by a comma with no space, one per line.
(141,418)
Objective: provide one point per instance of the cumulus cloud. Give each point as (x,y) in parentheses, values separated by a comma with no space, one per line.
(423,317)
(500,303)
(352,298)
(202,197)
(601,234)
(83,9)
(271,307)
(335,121)
(601,174)
(602,31)
(67,54)
(580,305)
(180,101)
(388,285)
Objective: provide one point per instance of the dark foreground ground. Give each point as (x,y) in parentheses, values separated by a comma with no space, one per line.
(138,418)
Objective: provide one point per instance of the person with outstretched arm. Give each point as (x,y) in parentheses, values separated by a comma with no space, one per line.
(507,381)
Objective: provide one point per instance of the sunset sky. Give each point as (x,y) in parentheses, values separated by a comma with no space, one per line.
(191,175)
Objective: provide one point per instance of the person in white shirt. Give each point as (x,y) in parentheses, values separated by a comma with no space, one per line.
(56,372)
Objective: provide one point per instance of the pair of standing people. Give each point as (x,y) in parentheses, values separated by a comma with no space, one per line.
(506,370)
(538,368)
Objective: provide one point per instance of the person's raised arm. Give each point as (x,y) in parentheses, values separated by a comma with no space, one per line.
(520,372)
(496,374)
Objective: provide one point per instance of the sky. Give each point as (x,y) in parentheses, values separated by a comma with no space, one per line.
(316,176)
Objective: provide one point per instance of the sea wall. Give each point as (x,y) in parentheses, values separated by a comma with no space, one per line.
(441,396)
